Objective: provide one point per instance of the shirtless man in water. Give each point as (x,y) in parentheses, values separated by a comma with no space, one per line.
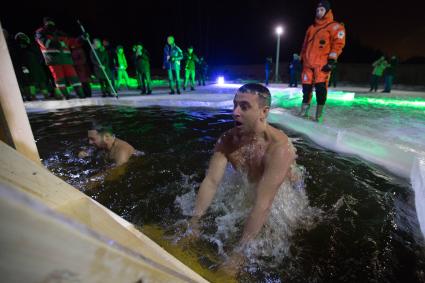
(118,151)
(254,147)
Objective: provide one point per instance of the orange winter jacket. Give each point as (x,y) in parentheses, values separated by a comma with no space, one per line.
(324,40)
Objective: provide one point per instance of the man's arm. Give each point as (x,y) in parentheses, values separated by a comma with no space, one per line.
(122,156)
(210,184)
(109,175)
(304,46)
(277,165)
(337,41)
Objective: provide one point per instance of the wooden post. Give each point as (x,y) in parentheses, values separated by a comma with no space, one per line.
(15,129)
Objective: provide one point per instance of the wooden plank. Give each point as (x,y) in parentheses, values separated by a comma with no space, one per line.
(15,127)
(18,172)
(39,245)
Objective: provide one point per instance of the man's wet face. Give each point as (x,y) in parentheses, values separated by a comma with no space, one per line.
(246,111)
(95,138)
(170,40)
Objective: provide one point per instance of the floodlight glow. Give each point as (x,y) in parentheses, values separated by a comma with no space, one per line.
(279,30)
(220,80)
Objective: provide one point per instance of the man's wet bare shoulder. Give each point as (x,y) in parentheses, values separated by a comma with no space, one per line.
(228,142)
(122,152)
(279,141)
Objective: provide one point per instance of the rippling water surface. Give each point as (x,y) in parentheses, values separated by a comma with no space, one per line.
(347,221)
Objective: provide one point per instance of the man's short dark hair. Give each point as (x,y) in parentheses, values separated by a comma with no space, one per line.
(102,129)
(263,93)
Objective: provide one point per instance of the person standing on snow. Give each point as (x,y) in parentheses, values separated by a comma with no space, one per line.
(323,43)
(379,67)
(191,61)
(54,45)
(172,57)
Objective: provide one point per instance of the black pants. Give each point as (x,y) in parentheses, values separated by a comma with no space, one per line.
(267,76)
(293,79)
(321,93)
(374,83)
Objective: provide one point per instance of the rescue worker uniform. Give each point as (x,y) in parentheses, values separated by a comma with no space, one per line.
(323,43)
(81,66)
(54,46)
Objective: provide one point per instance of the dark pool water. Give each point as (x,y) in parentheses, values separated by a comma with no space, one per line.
(367,230)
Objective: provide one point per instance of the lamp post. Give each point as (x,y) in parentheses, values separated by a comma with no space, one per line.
(279,31)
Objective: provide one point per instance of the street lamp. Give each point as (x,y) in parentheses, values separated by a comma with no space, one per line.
(279,31)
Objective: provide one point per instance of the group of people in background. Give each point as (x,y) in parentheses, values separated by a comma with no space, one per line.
(386,68)
(382,67)
(64,64)
(173,55)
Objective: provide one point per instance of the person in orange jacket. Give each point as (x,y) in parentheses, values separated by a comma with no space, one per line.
(323,43)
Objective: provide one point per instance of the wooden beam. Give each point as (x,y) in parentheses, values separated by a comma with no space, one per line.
(20,174)
(15,128)
(39,245)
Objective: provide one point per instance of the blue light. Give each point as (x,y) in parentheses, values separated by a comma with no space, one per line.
(220,80)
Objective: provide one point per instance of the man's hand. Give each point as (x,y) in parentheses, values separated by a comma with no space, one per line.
(233,264)
(83,154)
(328,67)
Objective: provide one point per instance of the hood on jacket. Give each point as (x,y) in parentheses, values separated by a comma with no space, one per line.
(327,18)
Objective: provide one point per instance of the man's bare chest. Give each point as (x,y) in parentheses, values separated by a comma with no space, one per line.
(249,159)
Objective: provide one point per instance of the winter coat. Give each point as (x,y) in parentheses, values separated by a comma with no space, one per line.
(324,40)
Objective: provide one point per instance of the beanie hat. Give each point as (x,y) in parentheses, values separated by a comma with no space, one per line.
(20,35)
(325,4)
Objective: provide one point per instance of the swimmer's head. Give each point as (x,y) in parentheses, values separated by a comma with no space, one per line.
(263,93)
(251,107)
(100,136)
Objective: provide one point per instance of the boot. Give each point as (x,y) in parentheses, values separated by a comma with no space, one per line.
(305,108)
(319,113)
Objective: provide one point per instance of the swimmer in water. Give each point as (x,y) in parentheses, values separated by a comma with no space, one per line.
(118,151)
(264,153)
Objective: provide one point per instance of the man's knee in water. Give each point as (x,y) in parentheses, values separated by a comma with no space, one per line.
(321,93)
(307,92)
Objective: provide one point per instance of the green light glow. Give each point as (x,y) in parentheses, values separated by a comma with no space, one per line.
(416,103)
(132,84)
(293,99)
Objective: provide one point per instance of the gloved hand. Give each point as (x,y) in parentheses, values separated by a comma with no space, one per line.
(85,36)
(328,67)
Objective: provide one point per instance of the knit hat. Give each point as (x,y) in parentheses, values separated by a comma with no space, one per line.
(20,35)
(325,4)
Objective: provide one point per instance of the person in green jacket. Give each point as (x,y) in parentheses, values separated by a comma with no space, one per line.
(379,67)
(190,68)
(121,67)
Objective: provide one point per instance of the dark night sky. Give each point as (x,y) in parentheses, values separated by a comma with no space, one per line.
(231,32)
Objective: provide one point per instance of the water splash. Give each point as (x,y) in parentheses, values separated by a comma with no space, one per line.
(232,204)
